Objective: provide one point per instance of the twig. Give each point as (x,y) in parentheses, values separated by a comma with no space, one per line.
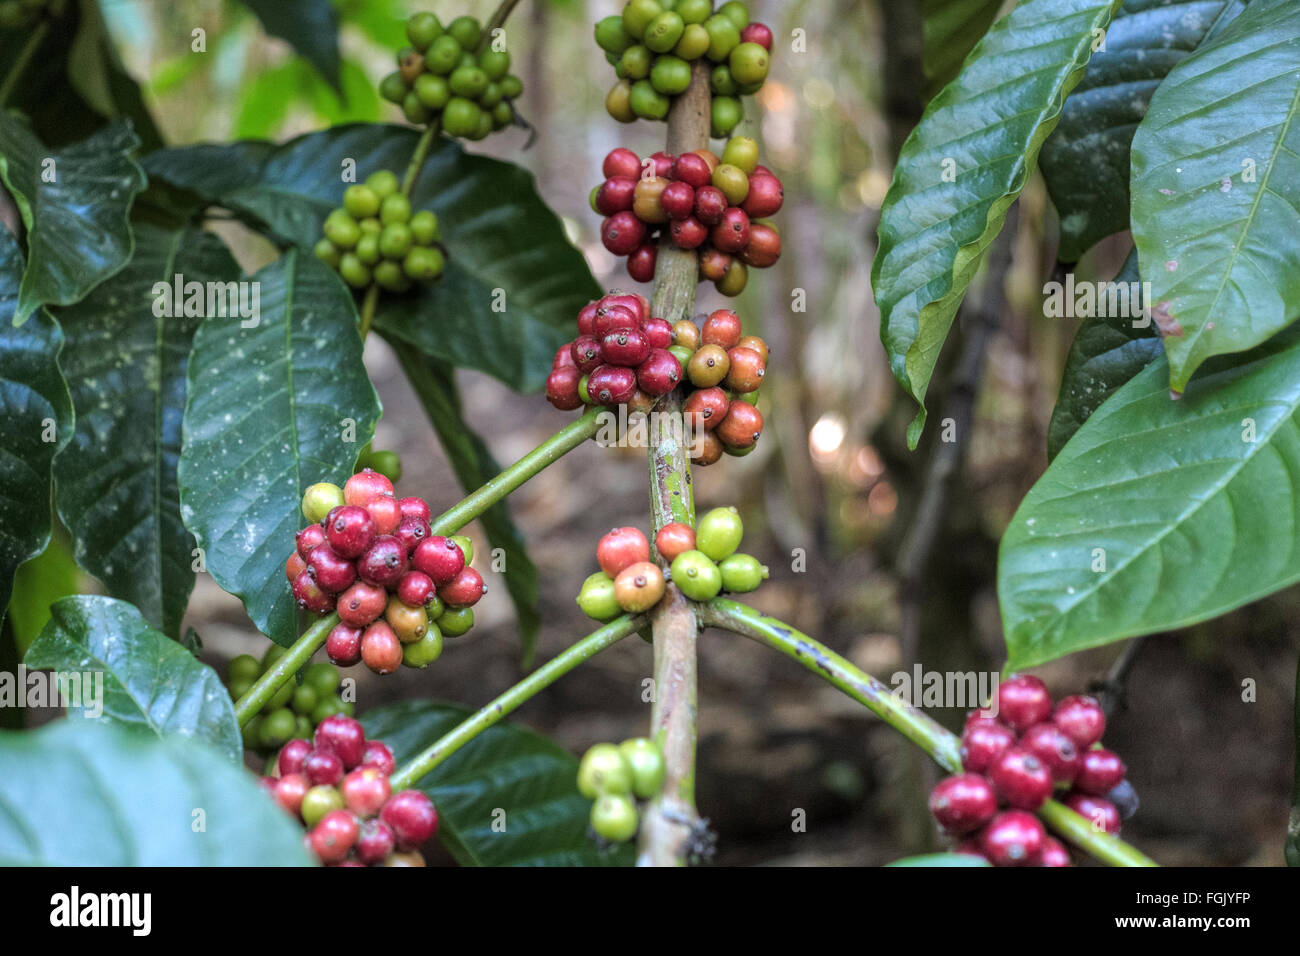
(1112,689)
(23,60)
(290,662)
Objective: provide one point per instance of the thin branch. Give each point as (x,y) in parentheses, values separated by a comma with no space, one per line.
(23,60)
(368,308)
(290,662)
(1112,689)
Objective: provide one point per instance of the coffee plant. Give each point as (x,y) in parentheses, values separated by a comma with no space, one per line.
(176,415)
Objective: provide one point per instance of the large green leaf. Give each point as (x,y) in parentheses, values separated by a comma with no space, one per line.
(82,793)
(503,770)
(962,168)
(271,409)
(435,383)
(950,29)
(1216,190)
(1086,160)
(1106,353)
(74,202)
(38,583)
(310,26)
(1160,513)
(127,350)
(35,422)
(150,682)
(513,284)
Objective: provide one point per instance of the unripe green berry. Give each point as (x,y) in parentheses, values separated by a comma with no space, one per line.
(442,56)
(341,229)
(383,182)
(604,769)
(424,263)
(278,726)
(696,575)
(327,708)
(370,226)
(422,29)
(614,818)
(424,227)
(320,499)
(721,82)
(466,546)
(647,765)
(395,208)
(460,117)
(725,114)
(240,686)
(511,86)
(596,597)
(610,35)
(390,275)
(635,63)
(467,31)
(468,81)
(495,63)
(393,88)
(638,15)
(647,102)
(415,111)
(741,152)
(387,463)
(670,75)
(748,63)
(367,249)
(432,91)
(323,676)
(281,698)
(502,115)
(742,573)
(663,32)
(319,801)
(490,97)
(694,11)
(304,699)
(327,252)
(244,667)
(251,733)
(618,103)
(694,42)
(453,622)
(425,651)
(354,272)
(360,201)
(719,532)
(395,241)
(736,12)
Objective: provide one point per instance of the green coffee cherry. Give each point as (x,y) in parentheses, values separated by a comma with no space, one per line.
(454,621)
(341,229)
(327,252)
(435,609)
(424,227)
(278,727)
(383,182)
(603,770)
(244,667)
(360,201)
(460,116)
(319,801)
(583,393)
(741,152)
(466,545)
(722,82)
(742,573)
(596,597)
(694,11)
(280,698)
(432,91)
(387,463)
(719,532)
(610,35)
(614,818)
(724,36)
(422,29)
(694,42)
(647,102)
(251,733)
(423,263)
(490,98)
(647,765)
(393,87)
(395,241)
(467,81)
(681,353)
(495,63)
(618,103)
(389,275)
(663,32)
(424,651)
(327,708)
(270,656)
(354,272)
(502,115)
(304,699)
(323,676)
(748,63)
(696,575)
(467,31)
(635,63)
(670,75)
(240,686)
(370,226)
(395,208)
(367,249)
(511,86)
(732,181)
(415,111)
(442,57)
(725,114)
(736,12)
(638,15)
(305,727)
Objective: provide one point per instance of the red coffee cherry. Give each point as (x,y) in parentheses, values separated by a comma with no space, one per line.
(585,352)
(332,571)
(615,318)
(1021,779)
(757,33)
(345,736)
(742,426)
(710,205)
(562,389)
(659,333)
(622,163)
(412,817)
(746,371)
(311,596)
(662,162)
(365,486)
(361,604)
(722,328)
(963,803)
(765,197)
(380,649)
(642,262)
(714,264)
(611,385)
(622,233)
(350,530)
(312,536)
(674,538)
(587,318)
(659,373)
(1054,749)
(374,842)
(621,548)
(366,790)
(1013,838)
(983,743)
(289,791)
(378,755)
(1082,719)
(294,566)
(615,195)
(690,168)
(440,558)
(626,347)
(414,530)
(414,508)
(563,357)
(323,767)
(1054,853)
(1101,813)
(688,233)
(705,408)
(1100,771)
(386,512)
(384,562)
(333,838)
(678,200)
(464,590)
(292,756)
(1023,701)
(416,589)
(343,646)
(731,233)
(764,246)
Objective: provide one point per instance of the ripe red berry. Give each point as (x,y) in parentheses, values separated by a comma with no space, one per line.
(344,735)
(764,246)
(332,571)
(343,646)
(386,512)
(766,194)
(1100,772)
(678,200)
(350,530)
(310,595)
(1013,838)
(621,548)
(634,302)
(412,817)
(722,328)
(615,195)
(622,233)
(658,332)
(562,389)
(731,233)
(758,33)
(674,538)
(416,589)
(378,755)
(690,168)
(1021,779)
(688,233)
(963,803)
(289,791)
(621,162)
(585,351)
(659,373)
(1054,749)
(414,508)
(463,590)
(361,604)
(292,755)
(615,318)
(312,536)
(611,384)
(414,530)
(625,347)
(983,743)
(366,790)
(294,566)
(374,842)
(563,357)
(642,262)
(705,408)
(742,426)
(332,839)
(1100,812)
(323,767)
(365,486)
(1053,853)
(380,649)
(710,205)
(1082,719)
(440,558)
(714,264)
(662,162)
(587,318)
(384,562)
(1023,701)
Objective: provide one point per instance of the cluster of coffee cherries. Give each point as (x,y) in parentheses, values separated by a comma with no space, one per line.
(398,588)
(295,710)
(615,777)
(374,237)
(20,13)
(1017,760)
(712,204)
(654,43)
(724,367)
(702,562)
(336,784)
(443,78)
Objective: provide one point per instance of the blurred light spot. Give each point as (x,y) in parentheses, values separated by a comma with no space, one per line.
(572,231)
(882,500)
(775,97)
(825,439)
(818,94)
(872,186)
(865,466)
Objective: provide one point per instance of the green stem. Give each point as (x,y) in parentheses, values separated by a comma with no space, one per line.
(368,310)
(1292,844)
(498,18)
(548,452)
(23,60)
(414,770)
(422,147)
(293,659)
(937,741)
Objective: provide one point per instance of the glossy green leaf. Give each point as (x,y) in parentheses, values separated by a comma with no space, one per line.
(962,168)
(1160,513)
(310,26)
(435,384)
(513,284)
(40,582)
(942,859)
(950,30)
(150,682)
(1216,190)
(128,346)
(74,202)
(505,768)
(1106,353)
(35,422)
(83,793)
(1086,160)
(271,409)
